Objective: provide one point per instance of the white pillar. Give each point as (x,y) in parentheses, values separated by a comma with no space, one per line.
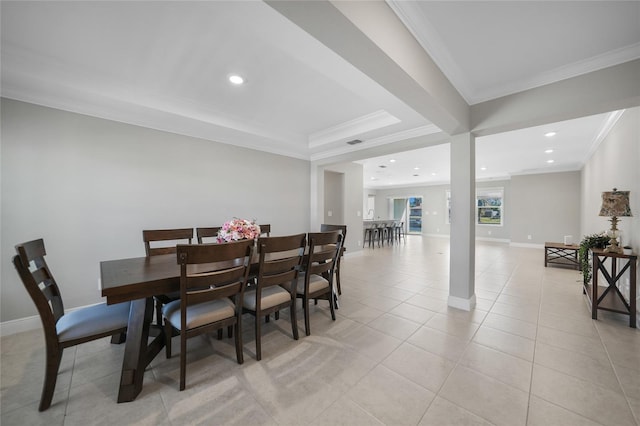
(463,200)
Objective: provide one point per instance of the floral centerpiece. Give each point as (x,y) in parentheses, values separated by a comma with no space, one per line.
(238,229)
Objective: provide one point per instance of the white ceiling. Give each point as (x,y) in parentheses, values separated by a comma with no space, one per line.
(165,65)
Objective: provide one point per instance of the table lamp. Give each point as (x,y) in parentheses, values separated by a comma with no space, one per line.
(614,204)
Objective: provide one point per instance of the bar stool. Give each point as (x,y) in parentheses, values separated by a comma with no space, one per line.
(370,233)
(401,233)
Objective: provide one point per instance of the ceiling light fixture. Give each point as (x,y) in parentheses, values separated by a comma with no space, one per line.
(416,168)
(550,134)
(354,142)
(483,168)
(236,79)
(433,174)
(392,161)
(548,151)
(549,161)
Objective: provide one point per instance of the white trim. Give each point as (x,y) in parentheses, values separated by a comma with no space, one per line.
(609,123)
(527,245)
(494,240)
(460,303)
(438,235)
(7,328)
(374,121)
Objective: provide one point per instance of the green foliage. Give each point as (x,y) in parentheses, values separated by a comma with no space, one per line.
(590,241)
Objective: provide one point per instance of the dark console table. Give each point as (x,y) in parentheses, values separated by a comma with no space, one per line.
(609,297)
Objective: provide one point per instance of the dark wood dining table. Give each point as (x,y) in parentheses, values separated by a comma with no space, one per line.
(137,280)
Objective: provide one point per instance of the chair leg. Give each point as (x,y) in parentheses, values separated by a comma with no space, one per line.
(119,338)
(183,360)
(258,347)
(239,350)
(294,320)
(158,312)
(305,307)
(266,318)
(277,315)
(230,332)
(168,333)
(219,334)
(331,298)
(50,377)
(338,277)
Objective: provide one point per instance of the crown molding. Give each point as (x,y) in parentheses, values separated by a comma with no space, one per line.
(608,124)
(349,129)
(383,140)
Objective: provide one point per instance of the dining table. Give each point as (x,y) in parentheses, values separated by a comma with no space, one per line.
(137,280)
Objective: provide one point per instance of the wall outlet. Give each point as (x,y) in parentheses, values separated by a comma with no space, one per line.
(359,213)
(528,237)
(359,243)
(489,232)
(329,213)
(437,229)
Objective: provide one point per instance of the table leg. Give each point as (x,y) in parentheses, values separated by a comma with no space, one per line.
(137,354)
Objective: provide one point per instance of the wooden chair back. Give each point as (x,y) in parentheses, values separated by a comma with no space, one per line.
(158,235)
(213,271)
(210,232)
(324,250)
(40,284)
(280,262)
(265,229)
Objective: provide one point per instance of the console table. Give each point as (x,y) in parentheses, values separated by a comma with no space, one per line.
(561,254)
(609,297)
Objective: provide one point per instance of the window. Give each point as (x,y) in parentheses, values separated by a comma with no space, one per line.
(489,202)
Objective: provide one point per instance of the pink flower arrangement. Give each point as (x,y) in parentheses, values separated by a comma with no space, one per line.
(238,229)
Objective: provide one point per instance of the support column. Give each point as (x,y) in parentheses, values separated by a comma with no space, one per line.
(463,200)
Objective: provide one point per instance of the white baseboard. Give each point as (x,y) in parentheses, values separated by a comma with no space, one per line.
(7,328)
(526,245)
(460,303)
(494,240)
(437,235)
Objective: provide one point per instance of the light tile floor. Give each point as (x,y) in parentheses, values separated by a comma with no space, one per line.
(529,354)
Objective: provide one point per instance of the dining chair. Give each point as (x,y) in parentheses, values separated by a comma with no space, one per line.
(342,228)
(63,330)
(163,237)
(265,229)
(212,282)
(279,264)
(317,282)
(210,232)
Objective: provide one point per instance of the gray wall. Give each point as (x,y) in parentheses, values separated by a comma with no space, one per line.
(545,206)
(351,174)
(525,211)
(333,198)
(89,186)
(616,163)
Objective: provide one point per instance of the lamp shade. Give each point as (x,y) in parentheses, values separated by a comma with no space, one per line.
(615,203)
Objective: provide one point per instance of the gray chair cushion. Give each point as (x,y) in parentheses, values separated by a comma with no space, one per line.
(199,314)
(271,296)
(92,320)
(316,282)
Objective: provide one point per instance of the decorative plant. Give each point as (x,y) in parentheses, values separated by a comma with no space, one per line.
(238,229)
(590,241)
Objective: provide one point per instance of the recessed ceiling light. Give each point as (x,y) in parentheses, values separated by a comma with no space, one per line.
(550,134)
(549,161)
(483,168)
(392,161)
(382,166)
(548,151)
(236,79)
(416,168)
(433,174)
